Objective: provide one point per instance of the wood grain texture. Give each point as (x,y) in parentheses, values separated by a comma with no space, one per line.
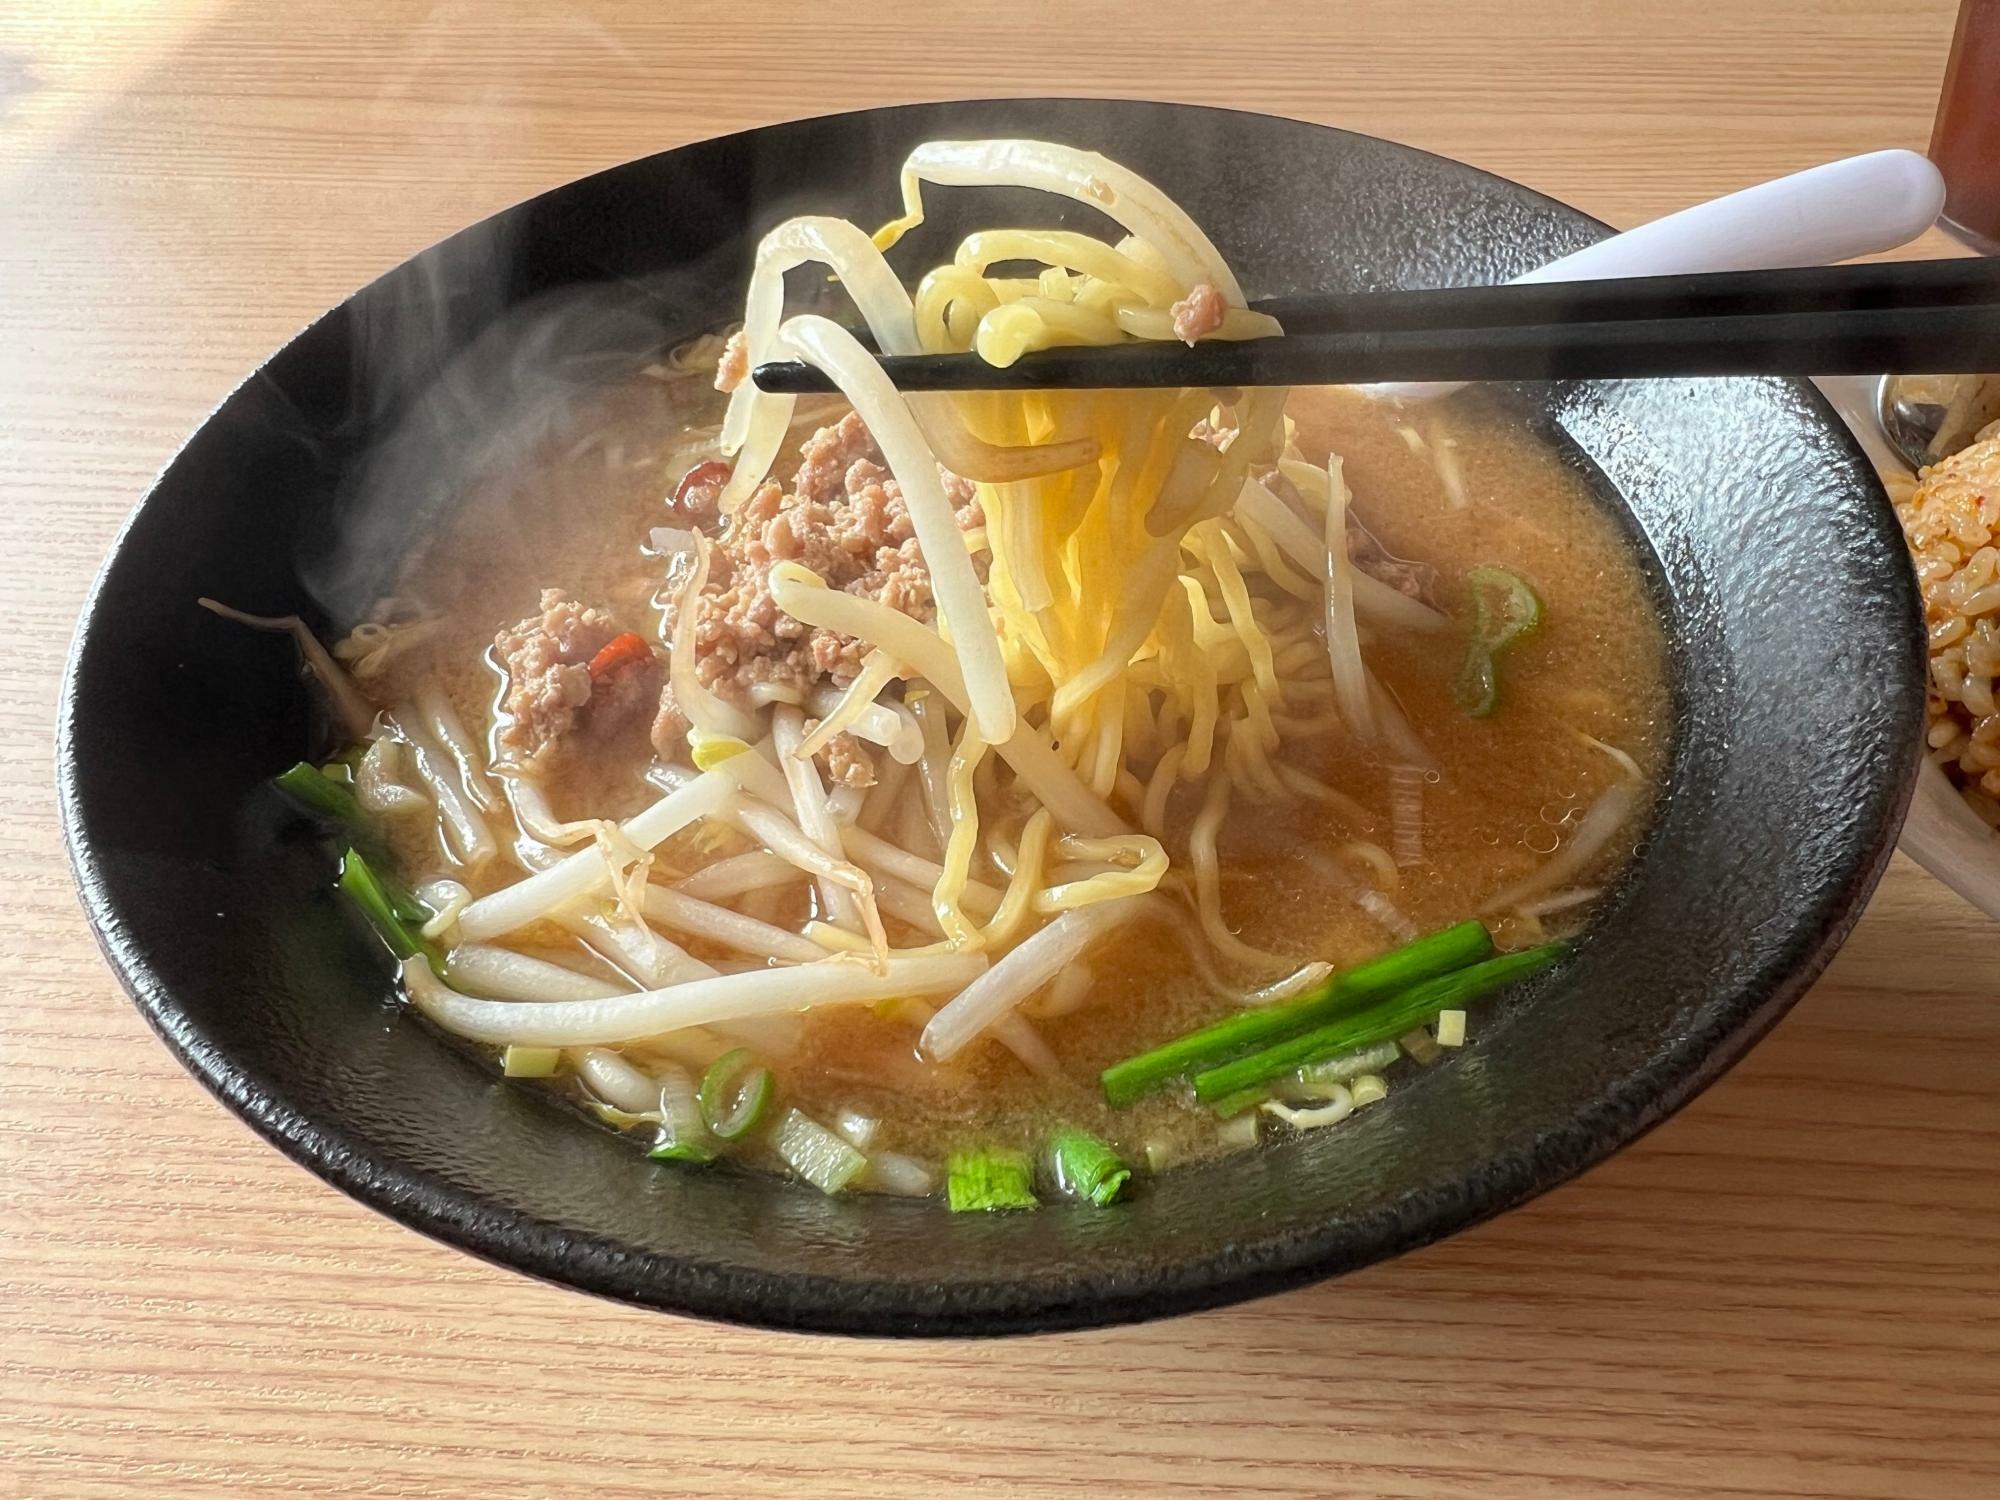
(1787,1291)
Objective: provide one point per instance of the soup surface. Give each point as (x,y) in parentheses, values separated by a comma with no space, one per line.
(1333,878)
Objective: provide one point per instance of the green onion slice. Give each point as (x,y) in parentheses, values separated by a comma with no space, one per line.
(983,1181)
(816,1153)
(389,908)
(695,1151)
(314,790)
(1476,688)
(1505,607)
(1085,1167)
(735,1094)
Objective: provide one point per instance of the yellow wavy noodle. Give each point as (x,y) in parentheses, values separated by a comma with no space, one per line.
(1271,561)
(1139,862)
(1213,548)
(1208,880)
(1091,258)
(1160,787)
(1017,906)
(949,893)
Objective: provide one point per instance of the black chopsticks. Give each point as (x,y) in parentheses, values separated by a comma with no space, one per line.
(1941,317)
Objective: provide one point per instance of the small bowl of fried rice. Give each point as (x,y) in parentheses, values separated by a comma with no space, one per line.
(1950,516)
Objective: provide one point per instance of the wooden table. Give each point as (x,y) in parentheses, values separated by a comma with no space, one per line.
(1787,1291)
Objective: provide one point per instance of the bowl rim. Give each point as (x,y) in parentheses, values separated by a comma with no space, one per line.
(458,1216)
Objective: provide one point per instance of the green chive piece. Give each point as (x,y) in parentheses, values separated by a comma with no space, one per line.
(367,890)
(402,900)
(980,1181)
(694,1151)
(1336,1070)
(1428,957)
(1380,1023)
(731,1109)
(1231,1105)
(310,787)
(1371,1059)
(1086,1167)
(1505,607)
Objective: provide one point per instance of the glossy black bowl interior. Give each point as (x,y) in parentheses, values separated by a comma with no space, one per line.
(1775,561)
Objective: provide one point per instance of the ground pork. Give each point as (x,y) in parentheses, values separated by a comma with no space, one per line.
(847,763)
(550,691)
(1199,313)
(1417,580)
(670,725)
(844,518)
(734,364)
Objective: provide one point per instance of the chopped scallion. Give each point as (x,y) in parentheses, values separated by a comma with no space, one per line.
(1236,1134)
(1231,1105)
(1391,1018)
(384,910)
(1504,608)
(979,1181)
(1416,1044)
(1085,1167)
(402,900)
(684,1134)
(675,1139)
(816,1153)
(1369,1088)
(1427,958)
(735,1093)
(310,787)
(695,1151)
(1450,1028)
(1476,686)
(530,1062)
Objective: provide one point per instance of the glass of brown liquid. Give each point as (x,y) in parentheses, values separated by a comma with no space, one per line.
(1965,143)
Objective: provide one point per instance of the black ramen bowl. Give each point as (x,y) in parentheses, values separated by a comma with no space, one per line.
(1775,562)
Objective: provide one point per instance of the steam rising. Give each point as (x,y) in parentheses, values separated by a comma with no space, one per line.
(464,391)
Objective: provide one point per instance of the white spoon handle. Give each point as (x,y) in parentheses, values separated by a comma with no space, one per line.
(1860,206)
